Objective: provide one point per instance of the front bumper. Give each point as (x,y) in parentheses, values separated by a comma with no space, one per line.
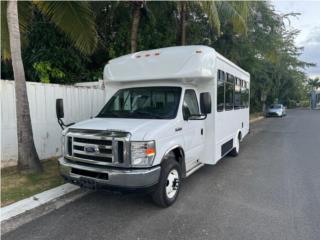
(274,114)
(84,176)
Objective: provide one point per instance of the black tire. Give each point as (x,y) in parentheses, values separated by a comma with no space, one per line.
(159,196)
(234,152)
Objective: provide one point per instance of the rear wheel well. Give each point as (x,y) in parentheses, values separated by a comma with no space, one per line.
(239,135)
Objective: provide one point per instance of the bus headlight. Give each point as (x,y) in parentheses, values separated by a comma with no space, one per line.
(142,153)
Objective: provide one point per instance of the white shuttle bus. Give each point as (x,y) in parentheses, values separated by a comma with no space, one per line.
(168,112)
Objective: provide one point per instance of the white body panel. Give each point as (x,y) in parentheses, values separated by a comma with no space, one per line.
(190,67)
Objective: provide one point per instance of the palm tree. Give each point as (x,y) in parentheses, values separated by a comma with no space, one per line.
(314,83)
(234,12)
(136,14)
(76,20)
(137,8)
(27,154)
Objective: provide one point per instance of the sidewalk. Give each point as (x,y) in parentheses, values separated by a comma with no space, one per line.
(26,210)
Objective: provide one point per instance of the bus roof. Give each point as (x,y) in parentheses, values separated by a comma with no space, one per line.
(183,62)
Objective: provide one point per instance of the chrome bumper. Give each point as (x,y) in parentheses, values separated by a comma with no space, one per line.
(123,178)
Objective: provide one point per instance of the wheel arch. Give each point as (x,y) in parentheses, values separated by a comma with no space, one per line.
(239,135)
(178,153)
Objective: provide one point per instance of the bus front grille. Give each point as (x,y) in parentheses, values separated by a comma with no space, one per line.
(96,148)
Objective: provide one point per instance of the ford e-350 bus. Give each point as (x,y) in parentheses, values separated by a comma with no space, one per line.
(168,112)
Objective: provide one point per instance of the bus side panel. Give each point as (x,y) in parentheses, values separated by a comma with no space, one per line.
(228,123)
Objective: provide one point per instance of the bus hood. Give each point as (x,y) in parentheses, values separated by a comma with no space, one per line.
(140,129)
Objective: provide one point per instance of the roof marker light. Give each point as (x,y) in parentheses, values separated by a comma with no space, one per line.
(138,56)
(157,54)
(147,55)
(198,51)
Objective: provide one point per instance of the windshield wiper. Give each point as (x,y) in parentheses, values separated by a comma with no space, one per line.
(147,114)
(109,114)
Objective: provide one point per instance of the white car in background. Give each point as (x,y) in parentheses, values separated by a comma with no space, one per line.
(276,110)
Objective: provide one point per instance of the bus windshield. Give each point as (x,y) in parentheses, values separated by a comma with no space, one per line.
(143,103)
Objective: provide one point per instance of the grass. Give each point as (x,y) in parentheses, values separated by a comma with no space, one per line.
(16,186)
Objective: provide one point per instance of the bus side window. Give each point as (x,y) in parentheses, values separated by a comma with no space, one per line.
(190,104)
(229,90)
(220,90)
(243,94)
(237,93)
(247,94)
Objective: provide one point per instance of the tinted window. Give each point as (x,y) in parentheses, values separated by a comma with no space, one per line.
(247,95)
(237,94)
(276,106)
(190,104)
(144,103)
(244,94)
(229,88)
(220,90)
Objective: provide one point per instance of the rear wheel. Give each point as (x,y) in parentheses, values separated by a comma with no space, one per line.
(169,184)
(235,151)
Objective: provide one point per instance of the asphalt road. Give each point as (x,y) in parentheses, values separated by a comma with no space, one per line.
(270,191)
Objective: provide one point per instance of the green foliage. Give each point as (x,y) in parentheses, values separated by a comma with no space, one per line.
(48,45)
(313,83)
(74,19)
(251,34)
(46,71)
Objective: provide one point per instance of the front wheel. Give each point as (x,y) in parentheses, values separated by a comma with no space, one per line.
(169,183)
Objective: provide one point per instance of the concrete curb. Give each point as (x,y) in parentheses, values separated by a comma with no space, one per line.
(26,210)
(256,119)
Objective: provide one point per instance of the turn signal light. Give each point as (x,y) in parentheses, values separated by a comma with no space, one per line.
(150,151)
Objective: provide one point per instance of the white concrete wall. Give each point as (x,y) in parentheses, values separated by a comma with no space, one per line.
(79,103)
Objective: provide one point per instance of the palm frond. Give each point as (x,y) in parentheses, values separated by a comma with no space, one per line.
(210,9)
(75,19)
(25,14)
(235,12)
(5,44)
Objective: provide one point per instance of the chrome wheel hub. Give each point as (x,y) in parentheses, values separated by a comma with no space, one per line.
(172,185)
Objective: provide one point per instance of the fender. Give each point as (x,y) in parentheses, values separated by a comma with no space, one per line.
(180,156)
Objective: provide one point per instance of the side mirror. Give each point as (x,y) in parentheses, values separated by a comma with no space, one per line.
(205,103)
(59,108)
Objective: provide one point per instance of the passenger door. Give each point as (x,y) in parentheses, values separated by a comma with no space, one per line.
(192,130)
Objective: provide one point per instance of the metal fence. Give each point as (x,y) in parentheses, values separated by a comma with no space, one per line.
(79,103)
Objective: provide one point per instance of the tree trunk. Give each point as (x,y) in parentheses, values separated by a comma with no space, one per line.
(136,14)
(263,100)
(183,22)
(27,155)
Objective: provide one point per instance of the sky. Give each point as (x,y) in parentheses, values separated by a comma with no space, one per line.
(309,25)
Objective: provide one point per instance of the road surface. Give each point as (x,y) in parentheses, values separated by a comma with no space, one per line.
(270,191)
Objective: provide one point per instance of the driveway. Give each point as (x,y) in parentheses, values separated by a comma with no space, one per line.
(270,191)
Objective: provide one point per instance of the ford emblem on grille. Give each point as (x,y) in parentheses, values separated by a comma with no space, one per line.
(90,149)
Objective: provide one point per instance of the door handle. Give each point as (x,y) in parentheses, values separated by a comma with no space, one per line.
(201,131)
(178,129)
